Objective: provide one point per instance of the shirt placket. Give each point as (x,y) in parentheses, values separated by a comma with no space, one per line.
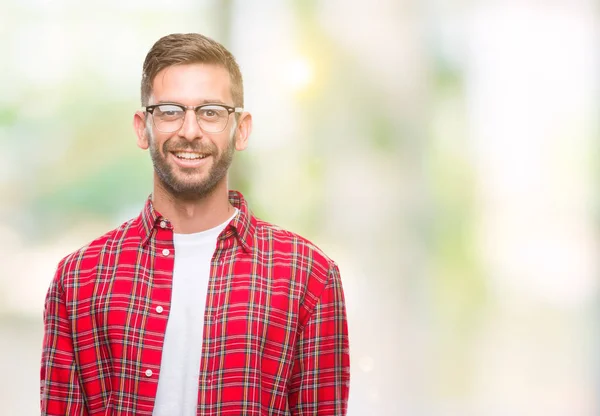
(162,252)
(208,392)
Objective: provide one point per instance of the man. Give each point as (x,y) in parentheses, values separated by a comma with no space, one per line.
(195,307)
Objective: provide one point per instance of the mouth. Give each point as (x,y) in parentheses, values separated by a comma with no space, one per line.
(189,160)
(189,155)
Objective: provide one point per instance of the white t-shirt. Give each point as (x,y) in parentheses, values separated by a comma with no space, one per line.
(177,392)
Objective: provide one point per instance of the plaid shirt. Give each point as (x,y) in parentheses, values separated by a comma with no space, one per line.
(275,332)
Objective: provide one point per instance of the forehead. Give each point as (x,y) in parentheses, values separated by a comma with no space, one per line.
(192,84)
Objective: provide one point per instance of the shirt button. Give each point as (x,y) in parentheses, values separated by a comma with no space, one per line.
(163,224)
(166,252)
(148,373)
(159,309)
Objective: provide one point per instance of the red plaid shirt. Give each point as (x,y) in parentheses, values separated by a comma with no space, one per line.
(275,333)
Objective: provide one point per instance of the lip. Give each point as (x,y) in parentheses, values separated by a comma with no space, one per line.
(185,163)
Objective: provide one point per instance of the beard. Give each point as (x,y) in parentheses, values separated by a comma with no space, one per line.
(190,183)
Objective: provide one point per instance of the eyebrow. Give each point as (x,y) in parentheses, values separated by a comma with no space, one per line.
(202,102)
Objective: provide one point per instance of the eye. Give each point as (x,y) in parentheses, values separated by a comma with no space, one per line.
(209,113)
(212,112)
(168,111)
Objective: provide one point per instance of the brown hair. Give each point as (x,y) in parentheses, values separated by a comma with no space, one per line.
(190,48)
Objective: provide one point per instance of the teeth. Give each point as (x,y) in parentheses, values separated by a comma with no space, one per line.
(189,155)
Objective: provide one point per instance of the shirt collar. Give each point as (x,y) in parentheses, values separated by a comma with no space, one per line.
(243,224)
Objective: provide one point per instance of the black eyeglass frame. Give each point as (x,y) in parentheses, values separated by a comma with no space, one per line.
(150,110)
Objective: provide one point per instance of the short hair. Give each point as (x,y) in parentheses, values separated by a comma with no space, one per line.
(190,48)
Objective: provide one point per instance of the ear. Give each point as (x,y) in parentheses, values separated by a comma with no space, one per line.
(139,125)
(242,131)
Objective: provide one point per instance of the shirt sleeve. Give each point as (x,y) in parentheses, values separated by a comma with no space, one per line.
(60,388)
(321,373)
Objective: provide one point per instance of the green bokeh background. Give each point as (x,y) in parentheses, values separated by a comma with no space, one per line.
(375,149)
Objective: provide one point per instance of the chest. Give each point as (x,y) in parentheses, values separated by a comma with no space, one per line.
(240,296)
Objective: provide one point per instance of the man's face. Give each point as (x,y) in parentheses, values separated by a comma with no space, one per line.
(189,162)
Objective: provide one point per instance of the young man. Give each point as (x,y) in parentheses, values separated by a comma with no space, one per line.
(195,307)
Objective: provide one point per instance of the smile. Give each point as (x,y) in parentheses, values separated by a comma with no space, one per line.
(189,155)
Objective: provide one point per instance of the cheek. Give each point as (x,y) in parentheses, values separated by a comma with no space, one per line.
(231,138)
(232,129)
(149,136)
(155,142)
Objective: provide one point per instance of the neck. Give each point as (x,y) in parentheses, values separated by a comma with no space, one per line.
(193,215)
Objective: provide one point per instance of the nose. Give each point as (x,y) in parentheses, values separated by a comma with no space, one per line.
(190,129)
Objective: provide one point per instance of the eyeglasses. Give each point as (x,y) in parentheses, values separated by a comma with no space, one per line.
(212,118)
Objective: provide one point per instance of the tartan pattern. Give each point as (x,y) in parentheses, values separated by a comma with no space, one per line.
(275,334)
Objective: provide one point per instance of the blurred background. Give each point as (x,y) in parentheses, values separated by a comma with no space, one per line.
(445,154)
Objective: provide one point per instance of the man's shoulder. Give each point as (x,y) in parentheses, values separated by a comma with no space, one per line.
(87,256)
(285,242)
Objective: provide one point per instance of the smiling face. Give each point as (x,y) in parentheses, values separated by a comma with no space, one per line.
(190,163)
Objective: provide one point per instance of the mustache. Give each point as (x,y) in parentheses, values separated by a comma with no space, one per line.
(184,145)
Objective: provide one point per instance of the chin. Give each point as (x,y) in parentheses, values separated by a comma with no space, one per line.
(191,190)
